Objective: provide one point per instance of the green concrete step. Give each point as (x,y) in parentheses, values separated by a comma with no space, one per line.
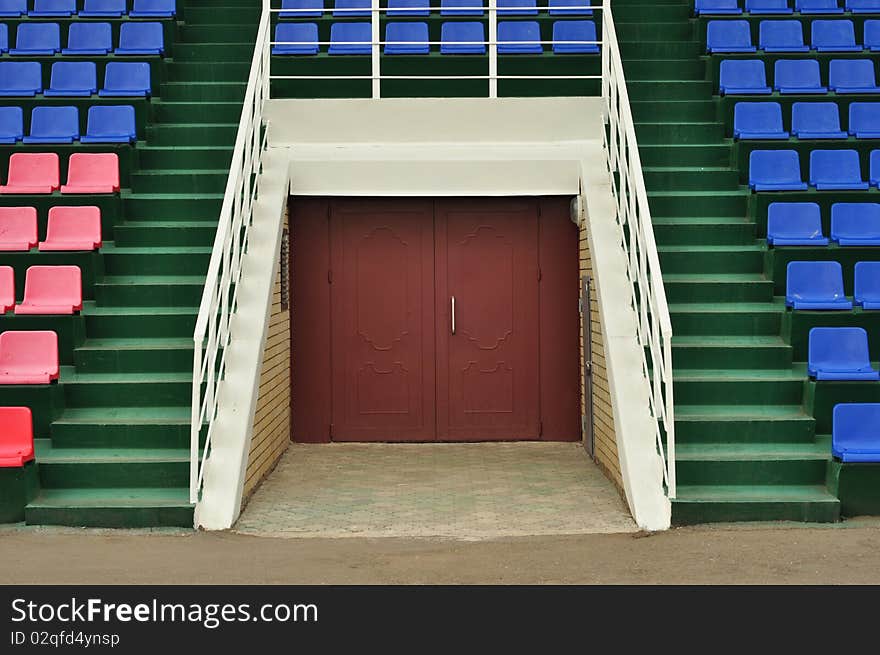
(655,68)
(716,202)
(723,503)
(699,154)
(699,92)
(690,178)
(165,233)
(150,290)
(712,259)
(204,157)
(204,91)
(752,464)
(184,260)
(227,71)
(166,206)
(730,352)
(672,109)
(181,111)
(664,32)
(125,389)
(180,181)
(112,508)
(632,48)
(122,427)
(121,322)
(729,318)
(651,132)
(729,287)
(742,424)
(126,355)
(192,134)
(749,386)
(707,231)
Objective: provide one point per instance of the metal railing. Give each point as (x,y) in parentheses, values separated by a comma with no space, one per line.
(637,239)
(220,297)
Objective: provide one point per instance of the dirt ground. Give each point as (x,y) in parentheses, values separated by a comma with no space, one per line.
(784,554)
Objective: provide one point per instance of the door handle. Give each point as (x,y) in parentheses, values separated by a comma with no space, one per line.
(452,305)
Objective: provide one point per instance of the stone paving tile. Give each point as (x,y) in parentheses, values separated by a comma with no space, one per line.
(461,491)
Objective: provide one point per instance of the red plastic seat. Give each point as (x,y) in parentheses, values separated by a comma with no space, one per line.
(16,437)
(28,357)
(73,228)
(51,290)
(18,228)
(7,289)
(32,173)
(92,173)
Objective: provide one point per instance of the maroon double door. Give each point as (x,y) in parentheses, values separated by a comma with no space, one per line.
(434,320)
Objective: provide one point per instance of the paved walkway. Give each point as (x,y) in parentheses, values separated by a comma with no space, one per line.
(461,491)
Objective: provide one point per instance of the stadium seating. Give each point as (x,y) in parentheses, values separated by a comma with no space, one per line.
(795,224)
(743,77)
(153,9)
(834,36)
(816,120)
(872,35)
(818,7)
(519,37)
(567,34)
(839,353)
(867,285)
(852,76)
(855,223)
(72,228)
(28,357)
(836,169)
(406,39)
(16,437)
(126,79)
(47,8)
(92,173)
(758,120)
(296,39)
(305,8)
(797,76)
(51,290)
(460,8)
(13,7)
(454,38)
(781,36)
(141,39)
(86,38)
(864,120)
(874,168)
(18,228)
(73,78)
(20,78)
(32,173)
(855,432)
(863,6)
(53,125)
(408,8)
(729,36)
(716,7)
(517,8)
(815,285)
(759,7)
(11,125)
(103,8)
(570,8)
(4,38)
(110,124)
(350,39)
(32,39)
(775,170)
(351,8)
(7,289)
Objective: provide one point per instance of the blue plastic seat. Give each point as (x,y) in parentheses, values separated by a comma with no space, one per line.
(519,37)
(141,39)
(872,35)
(296,39)
(566,33)
(52,8)
(759,7)
(37,39)
(729,36)
(20,78)
(13,7)
(461,7)
(406,39)
(350,39)
(103,8)
(54,125)
(153,9)
(409,8)
(517,8)
(743,77)
(863,6)
(758,120)
(455,35)
(855,223)
(836,170)
(816,120)
(571,8)
(11,124)
(73,79)
(874,168)
(775,170)
(782,36)
(818,7)
(716,7)
(798,76)
(852,76)
(110,124)
(855,432)
(4,38)
(305,8)
(867,285)
(864,120)
(815,285)
(834,36)
(839,353)
(351,8)
(126,79)
(86,38)
(795,224)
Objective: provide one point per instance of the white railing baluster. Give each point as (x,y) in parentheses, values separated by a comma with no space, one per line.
(493,48)
(376,49)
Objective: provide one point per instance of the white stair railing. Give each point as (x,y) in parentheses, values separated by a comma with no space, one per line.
(637,239)
(219,299)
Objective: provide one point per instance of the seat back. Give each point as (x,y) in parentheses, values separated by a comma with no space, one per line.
(13,7)
(141,38)
(55,123)
(814,281)
(818,6)
(872,34)
(20,78)
(351,8)
(856,427)
(815,118)
(101,8)
(350,39)
(517,7)
(55,289)
(855,220)
(794,220)
(851,73)
(832,33)
(307,8)
(129,78)
(158,8)
(796,74)
(16,437)
(569,35)
(462,37)
(75,77)
(73,228)
(7,288)
(408,8)
(874,167)
(835,167)
(716,7)
(838,349)
(11,124)
(38,38)
(18,228)
(757,118)
(867,282)
(296,39)
(461,8)
(92,173)
(113,122)
(724,35)
(864,118)
(34,170)
(28,357)
(53,8)
(89,38)
(519,37)
(781,34)
(768,7)
(569,7)
(774,167)
(735,73)
(406,38)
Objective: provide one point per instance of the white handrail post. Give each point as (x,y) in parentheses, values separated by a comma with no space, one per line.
(493,48)
(376,49)
(606,67)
